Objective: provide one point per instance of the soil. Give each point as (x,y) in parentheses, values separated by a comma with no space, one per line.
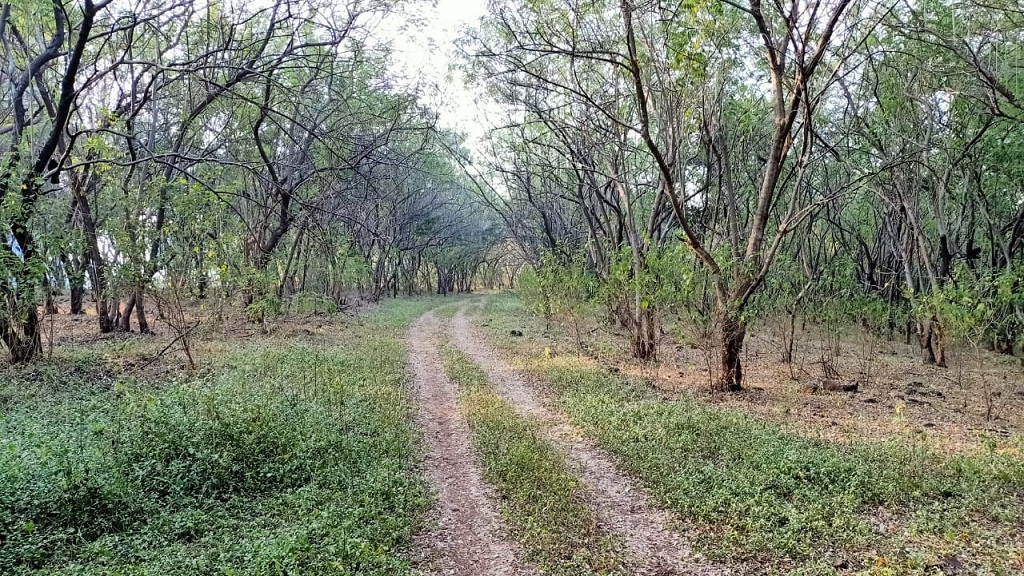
(468,538)
(620,502)
(974,404)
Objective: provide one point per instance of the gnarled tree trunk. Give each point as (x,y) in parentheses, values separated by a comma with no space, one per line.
(25,344)
(733,332)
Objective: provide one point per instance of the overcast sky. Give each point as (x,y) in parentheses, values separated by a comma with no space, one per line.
(425,54)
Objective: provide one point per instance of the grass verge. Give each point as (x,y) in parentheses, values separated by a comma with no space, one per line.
(286,456)
(542,500)
(763,493)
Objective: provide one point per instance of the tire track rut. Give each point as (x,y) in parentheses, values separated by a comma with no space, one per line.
(468,539)
(621,504)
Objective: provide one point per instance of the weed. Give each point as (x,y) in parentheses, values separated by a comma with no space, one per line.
(542,498)
(283,457)
(763,492)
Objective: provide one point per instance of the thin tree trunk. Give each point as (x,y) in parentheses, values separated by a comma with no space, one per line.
(50,305)
(140,311)
(938,344)
(77,298)
(924,335)
(644,341)
(125,322)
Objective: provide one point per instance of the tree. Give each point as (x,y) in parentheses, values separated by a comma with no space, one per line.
(37,138)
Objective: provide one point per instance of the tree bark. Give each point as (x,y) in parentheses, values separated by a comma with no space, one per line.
(77,298)
(645,345)
(140,311)
(124,324)
(733,332)
(27,344)
(925,335)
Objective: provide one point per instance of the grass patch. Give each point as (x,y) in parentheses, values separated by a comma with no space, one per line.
(285,456)
(768,494)
(447,311)
(542,500)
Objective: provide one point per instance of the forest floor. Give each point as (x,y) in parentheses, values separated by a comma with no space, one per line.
(975,403)
(422,436)
(917,473)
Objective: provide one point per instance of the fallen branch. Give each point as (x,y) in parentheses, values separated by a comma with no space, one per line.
(168,347)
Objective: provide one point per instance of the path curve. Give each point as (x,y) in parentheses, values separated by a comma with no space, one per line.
(468,539)
(621,504)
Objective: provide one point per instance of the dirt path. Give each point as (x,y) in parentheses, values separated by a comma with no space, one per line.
(621,504)
(468,539)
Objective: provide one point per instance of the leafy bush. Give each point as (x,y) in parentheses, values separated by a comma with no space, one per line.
(265,308)
(557,290)
(980,308)
(282,459)
(311,303)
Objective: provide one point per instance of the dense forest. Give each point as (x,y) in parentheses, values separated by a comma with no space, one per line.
(753,275)
(183,149)
(720,161)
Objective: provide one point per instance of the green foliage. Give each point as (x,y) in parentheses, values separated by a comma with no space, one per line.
(680,286)
(310,303)
(22,268)
(979,308)
(284,458)
(557,290)
(267,307)
(830,296)
(763,492)
(542,499)
(20,289)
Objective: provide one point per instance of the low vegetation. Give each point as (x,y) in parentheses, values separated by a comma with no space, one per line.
(542,498)
(287,455)
(761,491)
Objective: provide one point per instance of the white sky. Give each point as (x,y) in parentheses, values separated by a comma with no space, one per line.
(424,53)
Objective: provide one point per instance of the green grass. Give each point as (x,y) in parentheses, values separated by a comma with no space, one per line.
(542,499)
(282,457)
(764,493)
(446,311)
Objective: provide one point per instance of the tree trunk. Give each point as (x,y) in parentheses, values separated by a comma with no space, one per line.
(140,311)
(125,322)
(27,344)
(732,335)
(50,303)
(75,268)
(77,298)
(96,267)
(108,313)
(645,345)
(24,346)
(202,277)
(442,284)
(789,339)
(202,285)
(938,343)
(925,336)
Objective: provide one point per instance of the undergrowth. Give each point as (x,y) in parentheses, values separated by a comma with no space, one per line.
(542,498)
(283,457)
(762,493)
